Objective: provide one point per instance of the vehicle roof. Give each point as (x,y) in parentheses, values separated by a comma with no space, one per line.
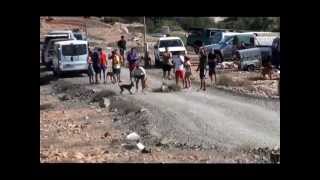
(235,33)
(169,38)
(56,35)
(207,29)
(71,42)
(60,31)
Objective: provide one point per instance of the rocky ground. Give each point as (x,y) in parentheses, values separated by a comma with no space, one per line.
(76,127)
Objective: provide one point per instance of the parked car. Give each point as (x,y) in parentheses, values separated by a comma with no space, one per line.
(70,56)
(174,44)
(47,38)
(49,51)
(231,42)
(203,36)
(249,59)
(227,47)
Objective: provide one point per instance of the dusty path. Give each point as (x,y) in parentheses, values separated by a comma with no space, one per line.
(210,119)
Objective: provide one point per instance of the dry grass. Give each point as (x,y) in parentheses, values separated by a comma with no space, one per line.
(224,80)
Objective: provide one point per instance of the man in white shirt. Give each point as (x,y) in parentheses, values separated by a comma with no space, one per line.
(178,61)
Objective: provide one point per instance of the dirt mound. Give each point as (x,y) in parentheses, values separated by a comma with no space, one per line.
(135,118)
(74,90)
(102,94)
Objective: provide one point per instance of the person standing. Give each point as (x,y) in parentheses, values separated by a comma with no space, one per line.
(178,62)
(188,72)
(166,64)
(132,59)
(96,65)
(116,65)
(90,67)
(103,61)
(212,60)
(122,45)
(202,67)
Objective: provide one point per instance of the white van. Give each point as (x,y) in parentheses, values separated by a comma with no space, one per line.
(175,45)
(69,56)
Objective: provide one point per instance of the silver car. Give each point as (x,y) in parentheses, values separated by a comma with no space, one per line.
(250,59)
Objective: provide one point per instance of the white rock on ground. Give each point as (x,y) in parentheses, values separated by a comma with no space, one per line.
(133,137)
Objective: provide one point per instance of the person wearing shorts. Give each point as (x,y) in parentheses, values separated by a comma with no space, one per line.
(96,64)
(132,58)
(188,72)
(178,62)
(166,64)
(103,63)
(139,73)
(212,59)
(116,65)
(202,67)
(122,45)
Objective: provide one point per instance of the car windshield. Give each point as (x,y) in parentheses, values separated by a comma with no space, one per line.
(170,43)
(225,39)
(74,50)
(216,37)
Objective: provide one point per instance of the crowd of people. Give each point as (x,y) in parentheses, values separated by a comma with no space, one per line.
(98,69)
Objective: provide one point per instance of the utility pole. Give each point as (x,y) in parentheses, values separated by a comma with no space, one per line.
(144,35)
(146,55)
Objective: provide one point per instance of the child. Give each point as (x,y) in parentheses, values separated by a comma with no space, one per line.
(178,61)
(188,72)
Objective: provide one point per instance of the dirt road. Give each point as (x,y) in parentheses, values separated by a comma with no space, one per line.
(211,119)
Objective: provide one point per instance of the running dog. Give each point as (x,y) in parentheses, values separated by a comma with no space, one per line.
(128,87)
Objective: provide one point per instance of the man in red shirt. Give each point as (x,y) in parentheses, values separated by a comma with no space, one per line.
(103,61)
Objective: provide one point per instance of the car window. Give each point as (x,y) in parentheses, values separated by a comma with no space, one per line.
(170,43)
(74,50)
